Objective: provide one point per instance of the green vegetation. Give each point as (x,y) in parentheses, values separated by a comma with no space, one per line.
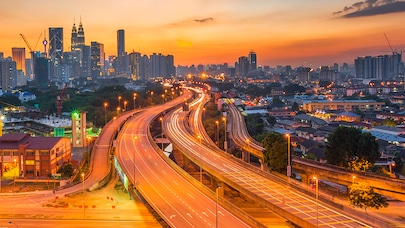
(347,145)
(363,196)
(275,152)
(213,123)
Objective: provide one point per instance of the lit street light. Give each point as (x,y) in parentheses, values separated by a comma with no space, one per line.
(161,120)
(216,206)
(225,143)
(217,123)
(105,112)
(353,177)
(134,100)
(119,101)
(199,137)
(288,157)
(84,202)
(125,105)
(15,167)
(316,195)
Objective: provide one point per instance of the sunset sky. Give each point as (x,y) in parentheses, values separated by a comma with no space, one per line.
(281,32)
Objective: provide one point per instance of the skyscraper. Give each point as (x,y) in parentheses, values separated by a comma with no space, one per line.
(8,74)
(18,55)
(55,43)
(121,42)
(97,59)
(252,61)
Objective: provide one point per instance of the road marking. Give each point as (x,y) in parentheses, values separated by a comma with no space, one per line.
(172,216)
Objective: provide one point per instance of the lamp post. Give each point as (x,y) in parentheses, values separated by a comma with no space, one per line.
(134,100)
(118,110)
(199,137)
(119,101)
(216,206)
(316,195)
(353,177)
(135,139)
(105,112)
(15,167)
(125,105)
(225,143)
(151,97)
(161,120)
(288,157)
(217,123)
(84,202)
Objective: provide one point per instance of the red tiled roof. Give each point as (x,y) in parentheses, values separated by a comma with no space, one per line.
(11,141)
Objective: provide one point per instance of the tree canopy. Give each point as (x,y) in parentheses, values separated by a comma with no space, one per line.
(363,196)
(347,144)
(275,152)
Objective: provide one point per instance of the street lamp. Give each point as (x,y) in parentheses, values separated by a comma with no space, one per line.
(316,195)
(288,157)
(135,139)
(225,144)
(84,202)
(161,120)
(119,101)
(216,206)
(217,123)
(199,137)
(353,177)
(125,105)
(15,167)
(118,110)
(105,112)
(134,100)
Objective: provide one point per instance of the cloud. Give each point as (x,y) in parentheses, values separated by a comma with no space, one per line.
(371,8)
(205,20)
(193,21)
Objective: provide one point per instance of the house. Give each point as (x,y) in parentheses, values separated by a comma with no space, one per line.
(34,156)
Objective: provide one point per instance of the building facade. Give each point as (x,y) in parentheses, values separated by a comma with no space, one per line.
(34,156)
(342,105)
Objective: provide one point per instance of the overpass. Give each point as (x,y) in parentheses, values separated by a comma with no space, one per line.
(266,189)
(388,186)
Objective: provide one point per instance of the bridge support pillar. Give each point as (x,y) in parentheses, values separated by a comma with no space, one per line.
(263,166)
(186,162)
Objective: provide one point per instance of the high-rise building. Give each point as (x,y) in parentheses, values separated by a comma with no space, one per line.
(242,67)
(97,59)
(134,65)
(80,60)
(383,67)
(252,61)
(18,55)
(41,70)
(121,42)
(55,43)
(8,74)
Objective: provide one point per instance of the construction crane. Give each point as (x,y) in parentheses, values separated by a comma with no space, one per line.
(393,51)
(28,44)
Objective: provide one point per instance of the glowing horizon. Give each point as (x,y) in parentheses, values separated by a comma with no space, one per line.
(196,32)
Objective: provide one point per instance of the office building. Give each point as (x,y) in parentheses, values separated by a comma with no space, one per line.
(18,55)
(121,42)
(55,43)
(8,74)
(252,61)
(97,60)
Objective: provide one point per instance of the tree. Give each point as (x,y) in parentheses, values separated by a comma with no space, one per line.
(348,144)
(254,124)
(389,122)
(67,170)
(363,196)
(275,152)
(295,106)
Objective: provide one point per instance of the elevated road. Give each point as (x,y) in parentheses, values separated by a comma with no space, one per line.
(294,206)
(390,187)
(177,201)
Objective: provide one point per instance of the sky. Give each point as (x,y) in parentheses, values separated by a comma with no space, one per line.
(282,32)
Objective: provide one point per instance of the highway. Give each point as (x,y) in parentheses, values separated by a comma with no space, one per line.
(290,204)
(175,199)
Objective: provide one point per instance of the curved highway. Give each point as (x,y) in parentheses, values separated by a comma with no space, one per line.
(299,208)
(177,201)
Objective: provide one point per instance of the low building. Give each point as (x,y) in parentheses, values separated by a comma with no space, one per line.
(342,105)
(34,156)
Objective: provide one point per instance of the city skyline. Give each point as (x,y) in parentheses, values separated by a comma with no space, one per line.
(209,32)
